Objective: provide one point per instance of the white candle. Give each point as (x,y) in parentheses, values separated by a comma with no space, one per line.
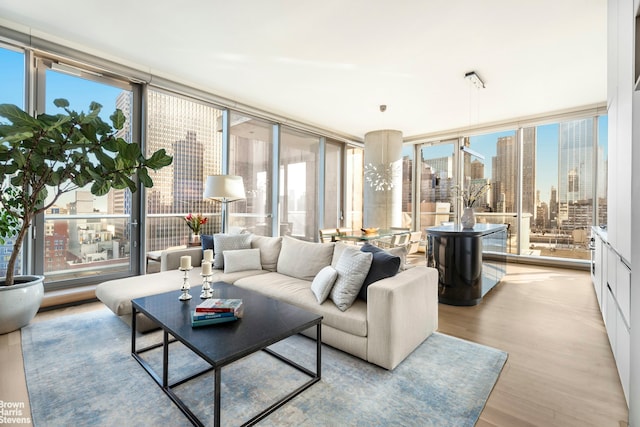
(208,255)
(185,261)
(206,267)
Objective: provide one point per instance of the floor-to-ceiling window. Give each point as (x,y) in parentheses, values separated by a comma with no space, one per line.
(547,183)
(566,187)
(408,165)
(12,91)
(85,236)
(333,213)
(354,190)
(436,175)
(251,157)
(189,131)
(493,159)
(299,174)
(602,166)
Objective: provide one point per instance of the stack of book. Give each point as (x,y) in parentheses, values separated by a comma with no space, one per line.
(216,310)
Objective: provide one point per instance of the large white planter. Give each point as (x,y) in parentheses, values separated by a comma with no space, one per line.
(19,303)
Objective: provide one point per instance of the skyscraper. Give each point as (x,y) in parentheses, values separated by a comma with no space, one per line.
(529,172)
(505,174)
(575,160)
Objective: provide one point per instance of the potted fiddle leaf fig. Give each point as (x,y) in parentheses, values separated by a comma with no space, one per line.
(44,157)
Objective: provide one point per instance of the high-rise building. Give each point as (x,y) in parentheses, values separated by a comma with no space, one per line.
(119,201)
(505,174)
(436,179)
(529,172)
(542,216)
(553,208)
(476,169)
(575,168)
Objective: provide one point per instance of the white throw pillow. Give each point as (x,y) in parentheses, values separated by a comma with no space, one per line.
(323,282)
(269,250)
(353,267)
(303,260)
(241,260)
(228,242)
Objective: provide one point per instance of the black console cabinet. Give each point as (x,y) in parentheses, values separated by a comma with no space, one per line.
(469,261)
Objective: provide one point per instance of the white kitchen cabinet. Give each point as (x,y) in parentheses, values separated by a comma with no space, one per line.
(612,283)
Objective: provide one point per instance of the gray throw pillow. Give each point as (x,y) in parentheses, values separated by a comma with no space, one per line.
(352,267)
(323,282)
(227,242)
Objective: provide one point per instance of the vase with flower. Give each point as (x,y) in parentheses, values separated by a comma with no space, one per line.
(470,195)
(195,222)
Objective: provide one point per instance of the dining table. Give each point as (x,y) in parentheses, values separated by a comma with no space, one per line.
(362,237)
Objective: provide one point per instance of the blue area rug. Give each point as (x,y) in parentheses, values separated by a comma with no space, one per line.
(80,372)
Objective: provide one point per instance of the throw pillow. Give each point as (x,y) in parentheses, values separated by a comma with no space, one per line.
(383,265)
(241,260)
(303,260)
(323,282)
(400,251)
(207,241)
(353,266)
(337,252)
(228,242)
(269,250)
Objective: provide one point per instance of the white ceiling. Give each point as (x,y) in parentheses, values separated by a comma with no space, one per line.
(331,63)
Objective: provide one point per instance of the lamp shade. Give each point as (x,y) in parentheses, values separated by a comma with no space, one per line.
(224,188)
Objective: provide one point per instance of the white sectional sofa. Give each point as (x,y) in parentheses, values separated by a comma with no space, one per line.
(399,313)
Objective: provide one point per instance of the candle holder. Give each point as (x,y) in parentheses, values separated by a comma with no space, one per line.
(207,290)
(185,296)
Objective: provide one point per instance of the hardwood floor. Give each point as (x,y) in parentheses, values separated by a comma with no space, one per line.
(560,370)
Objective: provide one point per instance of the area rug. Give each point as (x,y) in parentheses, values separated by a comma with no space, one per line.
(80,371)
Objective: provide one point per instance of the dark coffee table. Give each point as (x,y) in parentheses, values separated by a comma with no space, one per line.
(265,322)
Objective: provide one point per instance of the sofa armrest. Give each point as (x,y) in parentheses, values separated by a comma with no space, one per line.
(402,311)
(170,259)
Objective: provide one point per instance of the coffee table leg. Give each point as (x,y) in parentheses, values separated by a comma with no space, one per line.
(216,397)
(318,349)
(133,330)
(165,358)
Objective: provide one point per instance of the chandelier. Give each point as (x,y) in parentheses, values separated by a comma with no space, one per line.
(380,177)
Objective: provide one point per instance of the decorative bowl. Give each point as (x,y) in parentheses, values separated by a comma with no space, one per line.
(370,230)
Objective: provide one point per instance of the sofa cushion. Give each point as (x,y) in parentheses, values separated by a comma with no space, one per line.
(241,260)
(383,265)
(269,250)
(228,242)
(296,292)
(303,260)
(352,269)
(323,282)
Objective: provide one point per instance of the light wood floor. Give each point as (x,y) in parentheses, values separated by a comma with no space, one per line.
(560,370)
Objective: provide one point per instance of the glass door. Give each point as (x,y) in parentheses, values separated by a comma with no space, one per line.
(83,236)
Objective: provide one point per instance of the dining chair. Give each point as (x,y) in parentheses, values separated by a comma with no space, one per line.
(327,235)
